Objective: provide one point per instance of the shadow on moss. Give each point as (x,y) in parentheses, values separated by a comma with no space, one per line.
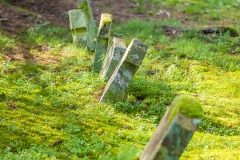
(208,126)
(149,98)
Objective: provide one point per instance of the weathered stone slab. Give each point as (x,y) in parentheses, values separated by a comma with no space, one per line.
(124,72)
(91,37)
(79,26)
(174,131)
(115,53)
(85,5)
(102,42)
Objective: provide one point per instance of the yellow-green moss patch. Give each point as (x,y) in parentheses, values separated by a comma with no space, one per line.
(187,106)
(107,18)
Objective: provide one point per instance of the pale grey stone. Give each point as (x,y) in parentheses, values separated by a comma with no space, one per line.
(115,53)
(124,72)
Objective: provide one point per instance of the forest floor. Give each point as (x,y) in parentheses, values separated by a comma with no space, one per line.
(19,15)
(49,94)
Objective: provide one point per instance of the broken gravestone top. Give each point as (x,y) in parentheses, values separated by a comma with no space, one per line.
(77,19)
(78,26)
(106,18)
(86,7)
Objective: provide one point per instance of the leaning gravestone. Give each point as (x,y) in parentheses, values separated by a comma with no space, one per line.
(86,7)
(79,26)
(115,53)
(174,131)
(102,41)
(124,72)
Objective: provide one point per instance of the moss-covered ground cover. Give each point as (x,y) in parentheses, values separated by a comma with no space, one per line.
(49,98)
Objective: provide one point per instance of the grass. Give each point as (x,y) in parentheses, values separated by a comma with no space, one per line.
(192,13)
(49,104)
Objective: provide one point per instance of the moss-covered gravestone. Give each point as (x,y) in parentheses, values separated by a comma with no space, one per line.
(102,43)
(115,53)
(86,7)
(124,72)
(79,26)
(174,131)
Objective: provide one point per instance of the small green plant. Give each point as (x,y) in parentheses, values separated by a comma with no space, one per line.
(140,8)
(5,42)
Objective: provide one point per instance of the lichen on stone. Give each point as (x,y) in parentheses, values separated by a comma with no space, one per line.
(106,19)
(187,106)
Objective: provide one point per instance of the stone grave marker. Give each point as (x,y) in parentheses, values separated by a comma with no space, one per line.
(174,130)
(115,53)
(102,42)
(85,5)
(79,26)
(124,72)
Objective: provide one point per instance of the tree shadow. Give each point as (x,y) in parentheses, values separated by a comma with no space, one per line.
(209,126)
(147,98)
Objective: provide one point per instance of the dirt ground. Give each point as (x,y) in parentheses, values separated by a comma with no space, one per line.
(25,13)
(19,16)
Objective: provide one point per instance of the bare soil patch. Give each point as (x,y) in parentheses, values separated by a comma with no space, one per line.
(23,14)
(125,10)
(19,16)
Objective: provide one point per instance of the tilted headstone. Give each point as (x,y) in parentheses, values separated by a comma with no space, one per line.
(115,53)
(79,26)
(102,41)
(85,5)
(174,131)
(124,72)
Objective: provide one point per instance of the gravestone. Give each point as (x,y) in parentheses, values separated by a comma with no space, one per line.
(174,131)
(124,72)
(115,53)
(79,26)
(102,42)
(86,7)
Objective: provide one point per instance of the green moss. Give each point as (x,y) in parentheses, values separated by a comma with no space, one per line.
(107,19)
(187,106)
(232,31)
(84,6)
(59,101)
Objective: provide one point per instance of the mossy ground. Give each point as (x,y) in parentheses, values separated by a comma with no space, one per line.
(49,101)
